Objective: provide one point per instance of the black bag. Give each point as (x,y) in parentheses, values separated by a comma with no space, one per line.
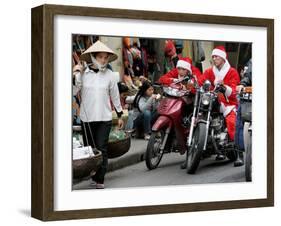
(246,108)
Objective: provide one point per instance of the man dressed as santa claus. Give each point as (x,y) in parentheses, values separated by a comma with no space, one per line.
(183,68)
(227,77)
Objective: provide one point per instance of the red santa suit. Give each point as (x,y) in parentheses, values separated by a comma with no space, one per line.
(185,63)
(229,77)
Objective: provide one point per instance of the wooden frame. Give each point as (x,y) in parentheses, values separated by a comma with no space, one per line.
(43,108)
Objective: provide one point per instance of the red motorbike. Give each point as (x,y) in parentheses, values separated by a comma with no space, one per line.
(170,130)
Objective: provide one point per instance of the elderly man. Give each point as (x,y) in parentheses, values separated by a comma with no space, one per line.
(227,78)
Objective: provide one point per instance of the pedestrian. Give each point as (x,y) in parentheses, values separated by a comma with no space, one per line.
(239,140)
(98,89)
(226,78)
(171,57)
(77,70)
(137,58)
(145,108)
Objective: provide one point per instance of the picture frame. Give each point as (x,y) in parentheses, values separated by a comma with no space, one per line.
(42,189)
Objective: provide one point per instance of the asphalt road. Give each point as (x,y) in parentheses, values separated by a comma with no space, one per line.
(169,173)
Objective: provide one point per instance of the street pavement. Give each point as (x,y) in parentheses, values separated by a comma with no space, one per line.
(132,172)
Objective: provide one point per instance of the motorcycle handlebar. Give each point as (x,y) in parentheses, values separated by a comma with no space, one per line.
(157,85)
(216,92)
(186,78)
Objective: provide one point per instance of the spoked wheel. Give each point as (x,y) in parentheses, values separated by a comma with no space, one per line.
(196,149)
(248,151)
(153,152)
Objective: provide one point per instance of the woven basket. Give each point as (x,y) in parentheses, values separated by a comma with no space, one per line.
(85,167)
(118,148)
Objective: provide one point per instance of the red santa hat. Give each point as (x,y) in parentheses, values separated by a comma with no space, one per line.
(220,51)
(185,63)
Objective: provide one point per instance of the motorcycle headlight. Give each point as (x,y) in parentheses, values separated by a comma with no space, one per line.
(207,85)
(206,99)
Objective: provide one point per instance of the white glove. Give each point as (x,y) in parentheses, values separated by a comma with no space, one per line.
(239,88)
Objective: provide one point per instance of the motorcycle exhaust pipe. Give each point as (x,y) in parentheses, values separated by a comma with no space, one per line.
(214,142)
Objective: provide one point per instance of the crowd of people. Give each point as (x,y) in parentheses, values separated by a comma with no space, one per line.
(96,92)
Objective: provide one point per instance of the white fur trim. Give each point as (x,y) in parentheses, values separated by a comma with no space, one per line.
(220,74)
(226,109)
(220,53)
(184,64)
(228,90)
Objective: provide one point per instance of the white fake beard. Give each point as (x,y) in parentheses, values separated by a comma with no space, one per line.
(97,64)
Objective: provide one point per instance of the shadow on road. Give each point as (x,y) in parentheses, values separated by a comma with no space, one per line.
(211,164)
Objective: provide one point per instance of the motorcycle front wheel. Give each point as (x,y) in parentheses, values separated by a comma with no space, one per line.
(154,154)
(196,149)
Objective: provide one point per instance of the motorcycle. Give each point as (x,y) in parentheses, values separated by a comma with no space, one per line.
(246,115)
(208,133)
(170,130)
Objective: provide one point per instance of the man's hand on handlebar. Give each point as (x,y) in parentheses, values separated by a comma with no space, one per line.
(221,88)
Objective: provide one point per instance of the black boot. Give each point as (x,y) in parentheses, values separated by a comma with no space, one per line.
(220,157)
(240,159)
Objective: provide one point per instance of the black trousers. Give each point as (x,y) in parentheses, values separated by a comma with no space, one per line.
(96,134)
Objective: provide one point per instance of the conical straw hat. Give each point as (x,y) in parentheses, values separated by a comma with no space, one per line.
(98,46)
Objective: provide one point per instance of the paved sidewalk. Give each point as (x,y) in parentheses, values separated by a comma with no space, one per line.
(133,156)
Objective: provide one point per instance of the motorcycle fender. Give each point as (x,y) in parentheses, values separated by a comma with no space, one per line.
(201,121)
(162,122)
